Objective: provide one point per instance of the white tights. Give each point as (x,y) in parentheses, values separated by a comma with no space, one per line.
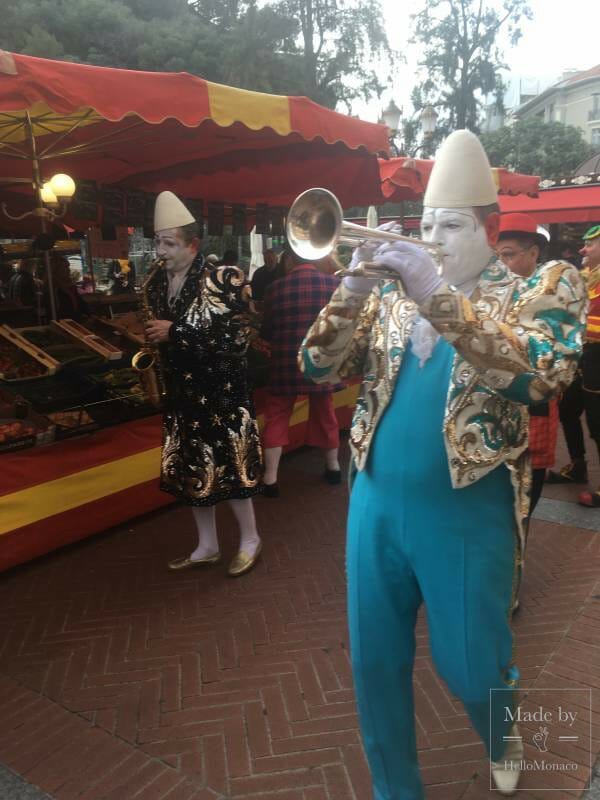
(206,525)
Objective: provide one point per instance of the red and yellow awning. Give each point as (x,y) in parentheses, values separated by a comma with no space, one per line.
(563,204)
(152,130)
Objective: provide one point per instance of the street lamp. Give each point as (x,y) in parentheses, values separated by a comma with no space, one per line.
(391,117)
(428,120)
(53,198)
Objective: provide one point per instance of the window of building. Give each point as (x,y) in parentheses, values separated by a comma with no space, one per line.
(596,137)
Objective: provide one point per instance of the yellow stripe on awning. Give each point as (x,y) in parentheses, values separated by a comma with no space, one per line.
(254,109)
(44,121)
(63,494)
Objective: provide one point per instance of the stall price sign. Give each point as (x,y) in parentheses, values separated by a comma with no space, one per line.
(277,216)
(196,209)
(136,209)
(238,219)
(262,218)
(114,205)
(117,247)
(85,201)
(149,203)
(216,219)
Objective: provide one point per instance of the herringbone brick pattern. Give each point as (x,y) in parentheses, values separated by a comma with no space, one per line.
(121,680)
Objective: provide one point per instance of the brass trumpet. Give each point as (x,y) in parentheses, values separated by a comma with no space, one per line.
(316,225)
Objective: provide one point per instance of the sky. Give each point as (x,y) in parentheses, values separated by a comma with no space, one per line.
(561,36)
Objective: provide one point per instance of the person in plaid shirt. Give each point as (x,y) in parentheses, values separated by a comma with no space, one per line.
(291,305)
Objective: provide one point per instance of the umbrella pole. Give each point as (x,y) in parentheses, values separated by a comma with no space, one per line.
(41,212)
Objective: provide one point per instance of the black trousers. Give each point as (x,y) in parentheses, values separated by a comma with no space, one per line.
(537,484)
(582,395)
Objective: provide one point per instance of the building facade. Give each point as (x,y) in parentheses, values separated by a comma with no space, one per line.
(574,100)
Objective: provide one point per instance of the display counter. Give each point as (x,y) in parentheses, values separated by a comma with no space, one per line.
(58,494)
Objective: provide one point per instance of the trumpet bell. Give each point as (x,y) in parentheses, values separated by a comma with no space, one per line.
(314,224)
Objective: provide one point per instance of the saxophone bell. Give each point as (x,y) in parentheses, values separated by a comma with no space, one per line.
(143,360)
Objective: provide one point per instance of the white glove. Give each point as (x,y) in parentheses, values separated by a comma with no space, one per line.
(415,267)
(366,252)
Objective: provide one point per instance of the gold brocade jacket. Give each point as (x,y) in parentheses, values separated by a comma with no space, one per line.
(517,343)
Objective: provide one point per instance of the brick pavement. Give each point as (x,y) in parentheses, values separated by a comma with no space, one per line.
(119,680)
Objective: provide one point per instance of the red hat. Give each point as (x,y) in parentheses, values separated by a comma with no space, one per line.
(515,224)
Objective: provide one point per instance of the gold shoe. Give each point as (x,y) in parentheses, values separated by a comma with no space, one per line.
(243,562)
(186,562)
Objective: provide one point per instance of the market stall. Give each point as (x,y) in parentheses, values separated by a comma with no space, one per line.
(52,496)
(124,136)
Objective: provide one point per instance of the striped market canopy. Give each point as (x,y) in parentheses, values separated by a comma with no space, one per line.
(153,131)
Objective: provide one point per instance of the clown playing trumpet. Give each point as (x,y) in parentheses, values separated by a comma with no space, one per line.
(450,363)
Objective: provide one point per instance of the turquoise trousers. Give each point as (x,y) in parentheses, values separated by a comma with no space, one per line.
(412,538)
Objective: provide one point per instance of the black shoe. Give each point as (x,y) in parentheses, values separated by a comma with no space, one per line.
(270,490)
(333,476)
(570,473)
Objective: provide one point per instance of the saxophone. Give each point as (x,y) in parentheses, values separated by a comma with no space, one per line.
(147,360)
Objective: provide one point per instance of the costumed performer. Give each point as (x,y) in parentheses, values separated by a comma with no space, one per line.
(211,446)
(450,363)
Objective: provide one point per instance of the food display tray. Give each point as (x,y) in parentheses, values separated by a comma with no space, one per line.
(21,430)
(89,339)
(24,354)
(56,343)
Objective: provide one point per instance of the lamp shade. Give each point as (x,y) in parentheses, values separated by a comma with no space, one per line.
(428,120)
(47,195)
(63,186)
(391,116)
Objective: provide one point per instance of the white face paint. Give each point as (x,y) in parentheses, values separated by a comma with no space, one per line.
(463,240)
(169,245)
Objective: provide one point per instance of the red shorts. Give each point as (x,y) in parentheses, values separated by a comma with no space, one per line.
(322,428)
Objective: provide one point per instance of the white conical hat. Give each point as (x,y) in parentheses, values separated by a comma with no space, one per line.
(461,176)
(169,212)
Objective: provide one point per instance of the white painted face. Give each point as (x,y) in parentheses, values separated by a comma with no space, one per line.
(463,240)
(169,245)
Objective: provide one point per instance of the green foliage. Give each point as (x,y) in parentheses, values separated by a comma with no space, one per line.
(547,149)
(462,57)
(108,33)
(339,44)
(322,48)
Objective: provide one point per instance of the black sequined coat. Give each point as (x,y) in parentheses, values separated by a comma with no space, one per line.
(211,446)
